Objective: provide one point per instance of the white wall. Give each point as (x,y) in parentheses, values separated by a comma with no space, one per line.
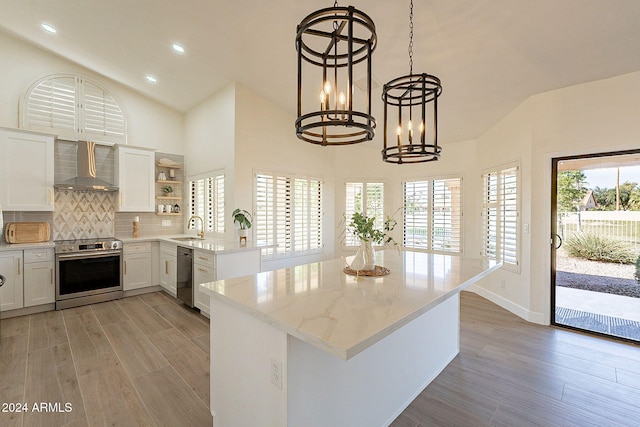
(150,124)
(265,139)
(209,143)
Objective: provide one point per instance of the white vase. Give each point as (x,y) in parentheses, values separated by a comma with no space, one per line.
(365,258)
(243,233)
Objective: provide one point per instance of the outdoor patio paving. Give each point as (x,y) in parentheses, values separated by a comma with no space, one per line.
(599,312)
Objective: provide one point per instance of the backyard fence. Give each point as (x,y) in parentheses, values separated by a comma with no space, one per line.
(619,225)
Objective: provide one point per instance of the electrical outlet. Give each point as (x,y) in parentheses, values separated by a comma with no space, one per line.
(503,284)
(276,372)
(166,223)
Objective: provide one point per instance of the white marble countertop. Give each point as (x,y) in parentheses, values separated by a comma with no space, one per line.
(215,245)
(4,246)
(341,314)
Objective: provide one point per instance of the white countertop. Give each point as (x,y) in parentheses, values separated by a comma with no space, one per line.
(341,314)
(207,244)
(4,246)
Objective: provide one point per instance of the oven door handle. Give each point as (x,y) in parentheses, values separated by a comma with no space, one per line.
(93,255)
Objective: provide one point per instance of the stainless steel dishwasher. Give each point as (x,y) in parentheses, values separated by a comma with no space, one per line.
(185,275)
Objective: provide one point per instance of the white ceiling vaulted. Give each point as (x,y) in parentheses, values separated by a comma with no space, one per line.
(489,54)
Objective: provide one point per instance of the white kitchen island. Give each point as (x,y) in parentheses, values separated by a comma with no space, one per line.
(312,346)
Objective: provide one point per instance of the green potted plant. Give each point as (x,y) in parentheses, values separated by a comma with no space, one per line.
(243,219)
(363,227)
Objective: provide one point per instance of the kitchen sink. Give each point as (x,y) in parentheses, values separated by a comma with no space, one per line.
(186,239)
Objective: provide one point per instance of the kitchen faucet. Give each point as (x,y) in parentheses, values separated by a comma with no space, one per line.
(201,232)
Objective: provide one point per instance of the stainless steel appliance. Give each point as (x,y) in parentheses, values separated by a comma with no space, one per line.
(184,274)
(88,271)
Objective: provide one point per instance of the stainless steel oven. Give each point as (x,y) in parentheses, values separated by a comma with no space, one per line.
(88,271)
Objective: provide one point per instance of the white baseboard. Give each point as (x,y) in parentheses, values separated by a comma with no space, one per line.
(518,310)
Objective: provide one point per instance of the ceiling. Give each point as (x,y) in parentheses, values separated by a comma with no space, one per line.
(489,54)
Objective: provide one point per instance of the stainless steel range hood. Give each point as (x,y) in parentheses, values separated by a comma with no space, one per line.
(85,178)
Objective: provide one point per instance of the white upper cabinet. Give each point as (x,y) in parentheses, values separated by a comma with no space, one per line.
(74,108)
(135,170)
(26,171)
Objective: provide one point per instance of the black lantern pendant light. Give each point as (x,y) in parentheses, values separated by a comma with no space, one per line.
(412,136)
(333,44)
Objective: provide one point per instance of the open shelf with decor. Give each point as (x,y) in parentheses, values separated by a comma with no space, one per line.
(169,185)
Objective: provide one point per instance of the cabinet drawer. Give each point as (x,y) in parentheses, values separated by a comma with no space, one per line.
(168,248)
(204,258)
(38,255)
(136,248)
(204,270)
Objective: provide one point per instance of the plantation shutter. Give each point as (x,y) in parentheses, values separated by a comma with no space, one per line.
(301,215)
(416,214)
(288,214)
(315,214)
(50,106)
(500,217)
(490,216)
(432,214)
(446,215)
(218,209)
(509,226)
(354,203)
(375,202)
(282,215)
(264,215)
(101,115)
(74,108)
(367,198)
(207,202)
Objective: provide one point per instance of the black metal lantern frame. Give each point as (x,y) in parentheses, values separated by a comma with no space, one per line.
(412,95)
(334,41)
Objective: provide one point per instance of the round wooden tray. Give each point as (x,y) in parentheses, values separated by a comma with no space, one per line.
(378,271)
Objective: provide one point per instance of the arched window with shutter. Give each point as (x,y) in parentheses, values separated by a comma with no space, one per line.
(73,107)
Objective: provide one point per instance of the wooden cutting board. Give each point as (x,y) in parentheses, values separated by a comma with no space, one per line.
(27,232)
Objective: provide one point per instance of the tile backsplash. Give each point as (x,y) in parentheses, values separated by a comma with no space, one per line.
(83,215)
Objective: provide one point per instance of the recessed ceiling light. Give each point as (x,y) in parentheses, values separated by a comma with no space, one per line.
(177,47)
(48,28)
(151,79)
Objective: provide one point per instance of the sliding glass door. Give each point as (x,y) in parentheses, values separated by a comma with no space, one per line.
(596,229)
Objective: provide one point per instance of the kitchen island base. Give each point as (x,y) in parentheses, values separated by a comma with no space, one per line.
(318,388)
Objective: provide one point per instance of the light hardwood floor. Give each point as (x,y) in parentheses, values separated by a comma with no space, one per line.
(513,373)
(139,361)
(144,361)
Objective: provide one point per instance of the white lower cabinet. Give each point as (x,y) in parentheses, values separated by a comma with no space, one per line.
(39,277)
(204,270)
(11,294)
(136,265)
(209,267)
(168,267)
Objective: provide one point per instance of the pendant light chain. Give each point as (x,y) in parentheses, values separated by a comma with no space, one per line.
(411,38)
(405,141)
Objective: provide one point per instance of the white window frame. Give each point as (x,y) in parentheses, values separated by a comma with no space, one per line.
(501,234)
(288,214)
(211,207)
(431,215)
(371,209)
(74,107)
